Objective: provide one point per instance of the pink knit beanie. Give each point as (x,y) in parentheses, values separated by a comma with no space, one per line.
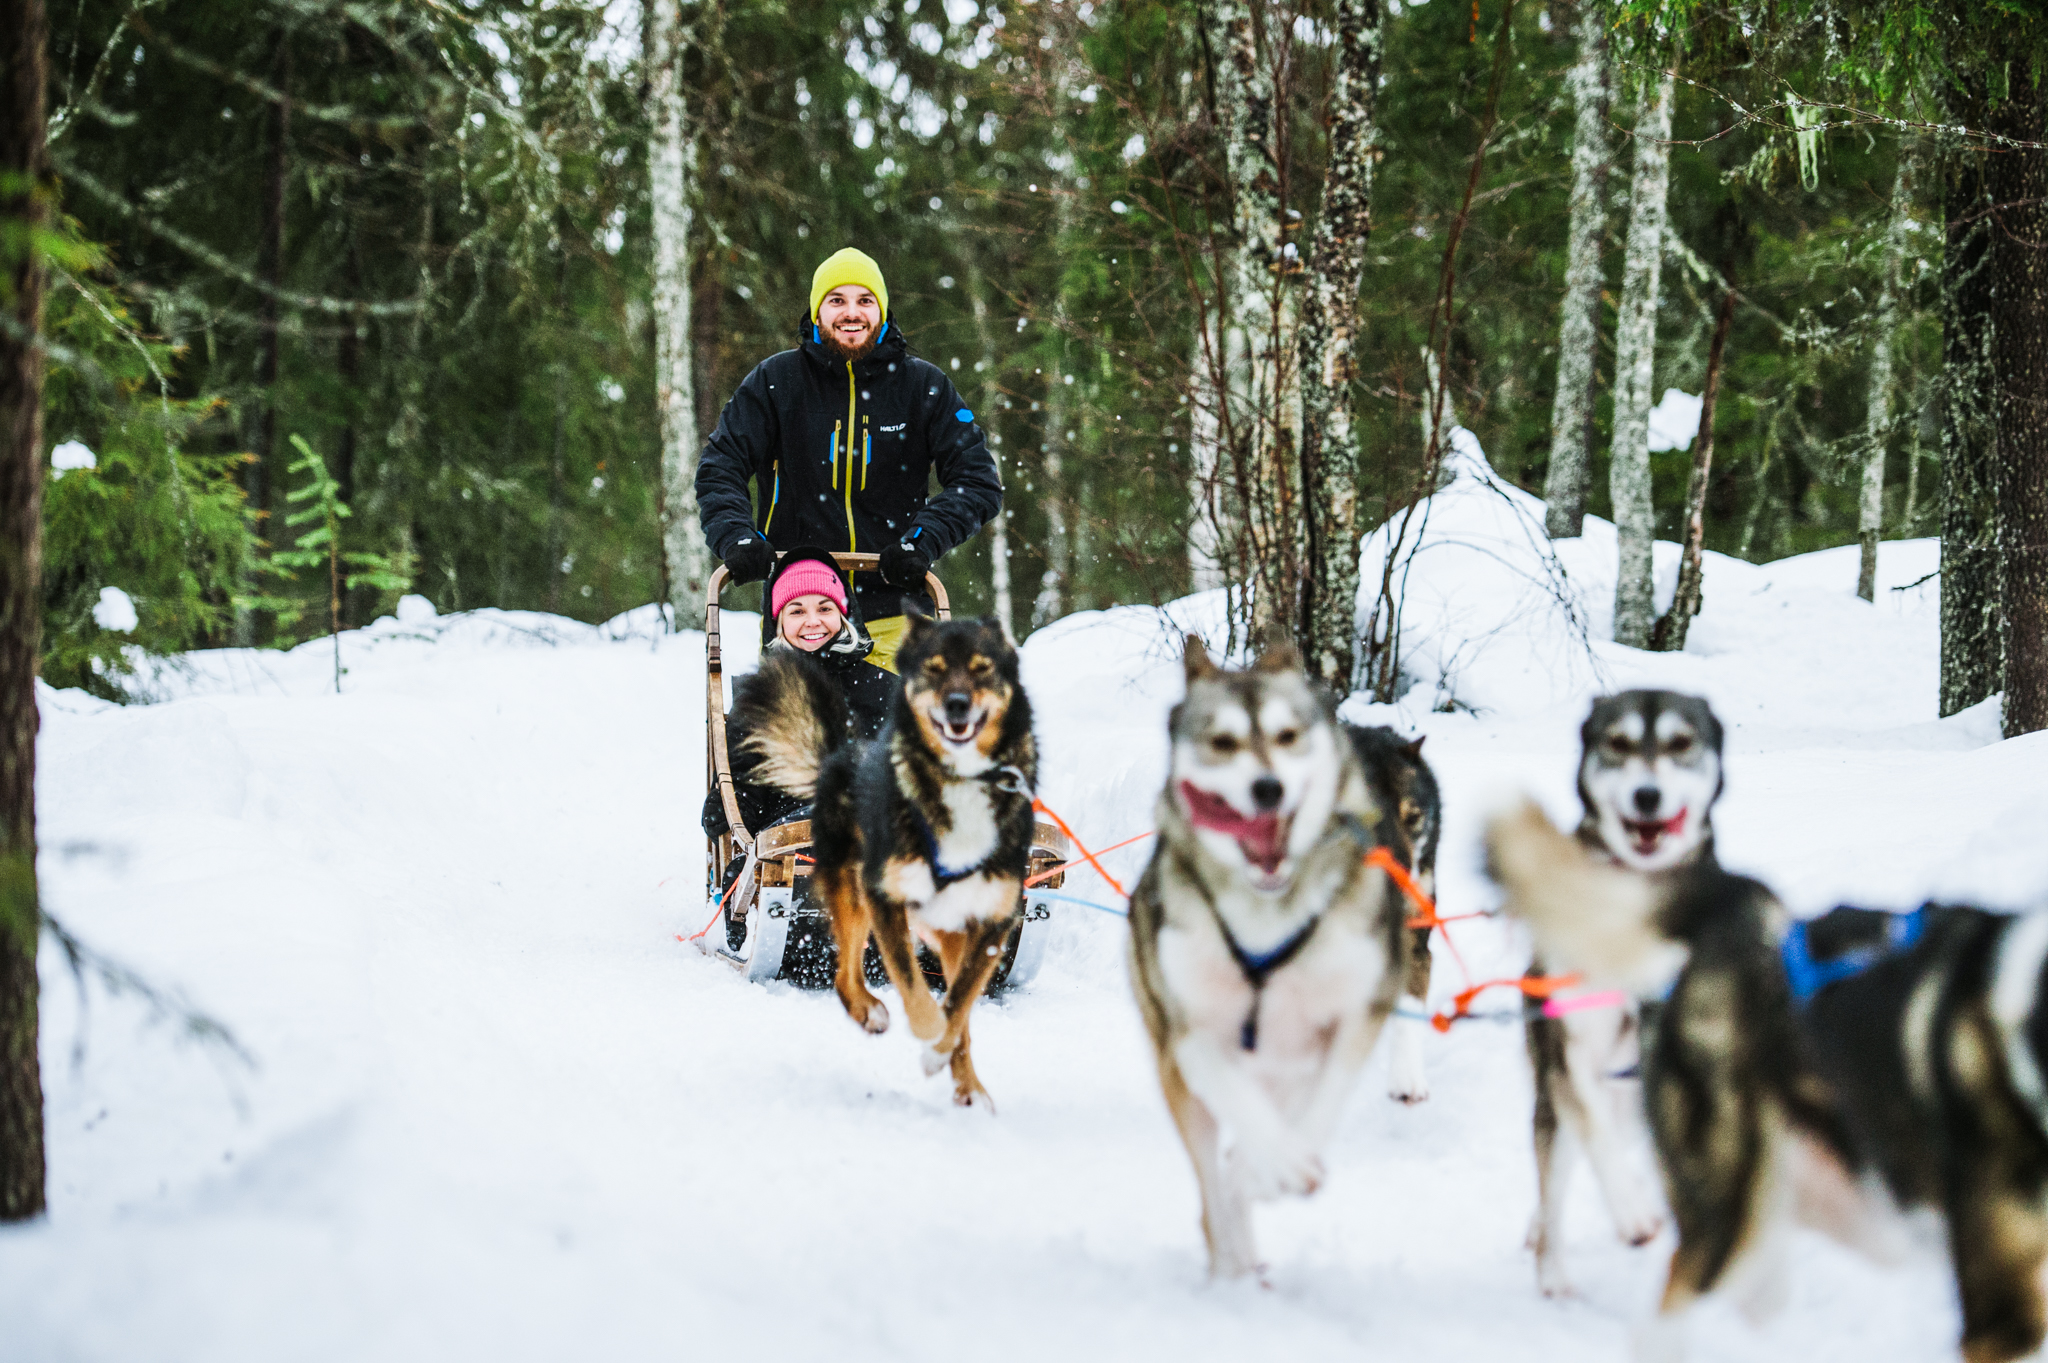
(803,578)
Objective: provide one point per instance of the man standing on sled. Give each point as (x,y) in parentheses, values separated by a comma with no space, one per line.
(840,438)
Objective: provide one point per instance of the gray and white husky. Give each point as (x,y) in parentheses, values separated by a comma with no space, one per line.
(1649,773)
(1265,954)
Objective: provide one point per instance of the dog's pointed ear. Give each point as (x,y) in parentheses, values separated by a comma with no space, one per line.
(1279,654)
(916,622)
(1414,746)
(1195,659)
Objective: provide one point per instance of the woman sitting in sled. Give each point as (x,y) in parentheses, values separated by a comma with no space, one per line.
(807,614)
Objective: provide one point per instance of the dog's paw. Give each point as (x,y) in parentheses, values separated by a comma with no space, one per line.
(1638,1221)
(933,1059)
(1407,1077)
(1550,1276)
(1226,1265)
(1407,1083)
(974,1096)
(877,1020)
(1279,1168)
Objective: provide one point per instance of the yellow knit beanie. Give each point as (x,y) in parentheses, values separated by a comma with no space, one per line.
(849,266)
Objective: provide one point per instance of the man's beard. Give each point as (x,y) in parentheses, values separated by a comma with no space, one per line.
(847,352)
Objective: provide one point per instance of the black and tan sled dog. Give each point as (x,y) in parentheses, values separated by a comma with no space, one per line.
(1649,775)
(924,834)
(1827,1072)
(1404,786)
(1265,953)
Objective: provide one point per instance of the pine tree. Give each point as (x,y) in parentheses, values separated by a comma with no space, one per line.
(24,200)
(2019,265)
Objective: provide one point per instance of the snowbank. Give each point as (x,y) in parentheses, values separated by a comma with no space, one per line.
(1499,620)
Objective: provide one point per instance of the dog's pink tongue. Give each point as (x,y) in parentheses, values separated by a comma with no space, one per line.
(1259,836)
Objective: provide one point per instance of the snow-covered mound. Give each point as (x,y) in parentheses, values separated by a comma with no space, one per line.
(1495,618)
(499,1110)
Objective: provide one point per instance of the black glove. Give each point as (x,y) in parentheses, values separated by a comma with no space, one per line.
(750,558)
(904,565)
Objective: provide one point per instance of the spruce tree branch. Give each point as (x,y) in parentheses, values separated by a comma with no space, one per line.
(342,114)
(1857,117)
(219,263)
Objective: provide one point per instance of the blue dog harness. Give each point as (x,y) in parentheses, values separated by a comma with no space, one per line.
(1808,976)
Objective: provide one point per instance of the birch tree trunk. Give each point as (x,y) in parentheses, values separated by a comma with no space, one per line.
(2019,358)
(1635,347)
(1208,514)
(1051,601)
(999,573)
(1262,416)
(671,163)
(1578,332)
(1669,635)
(23,185)
(1053,586)
(1329,331)
(1972,660)
(1878,421)
(991,392)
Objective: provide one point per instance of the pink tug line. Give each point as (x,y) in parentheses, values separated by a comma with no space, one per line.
(1604,998)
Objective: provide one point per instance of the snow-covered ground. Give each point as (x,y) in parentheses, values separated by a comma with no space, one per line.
(498,1110)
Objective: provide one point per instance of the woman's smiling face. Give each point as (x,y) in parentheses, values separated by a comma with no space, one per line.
(809,622)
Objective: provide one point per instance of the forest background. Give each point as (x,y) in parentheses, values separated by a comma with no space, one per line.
(423,240)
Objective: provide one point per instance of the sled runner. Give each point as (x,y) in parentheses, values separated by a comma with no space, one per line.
(767,927)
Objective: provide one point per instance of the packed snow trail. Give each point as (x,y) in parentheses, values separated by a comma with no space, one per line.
(499,1110)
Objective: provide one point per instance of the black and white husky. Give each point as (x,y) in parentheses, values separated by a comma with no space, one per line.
(1826,1072)
(1265,953)
(1649,773)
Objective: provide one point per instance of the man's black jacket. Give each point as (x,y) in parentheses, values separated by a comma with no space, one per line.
(842,454)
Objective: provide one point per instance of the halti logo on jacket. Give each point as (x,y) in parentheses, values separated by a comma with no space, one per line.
(891,430)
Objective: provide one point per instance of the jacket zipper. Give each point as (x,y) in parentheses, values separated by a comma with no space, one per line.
(851,546)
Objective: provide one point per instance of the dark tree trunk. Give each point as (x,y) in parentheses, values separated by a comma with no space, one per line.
(2019,359)
(270,265)
(1971,660)
(22,40)
(558,456)
(348,364)
(1669,634)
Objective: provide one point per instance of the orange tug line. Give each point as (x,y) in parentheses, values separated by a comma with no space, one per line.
(1530,986)
(1087,855)
(1049,872)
